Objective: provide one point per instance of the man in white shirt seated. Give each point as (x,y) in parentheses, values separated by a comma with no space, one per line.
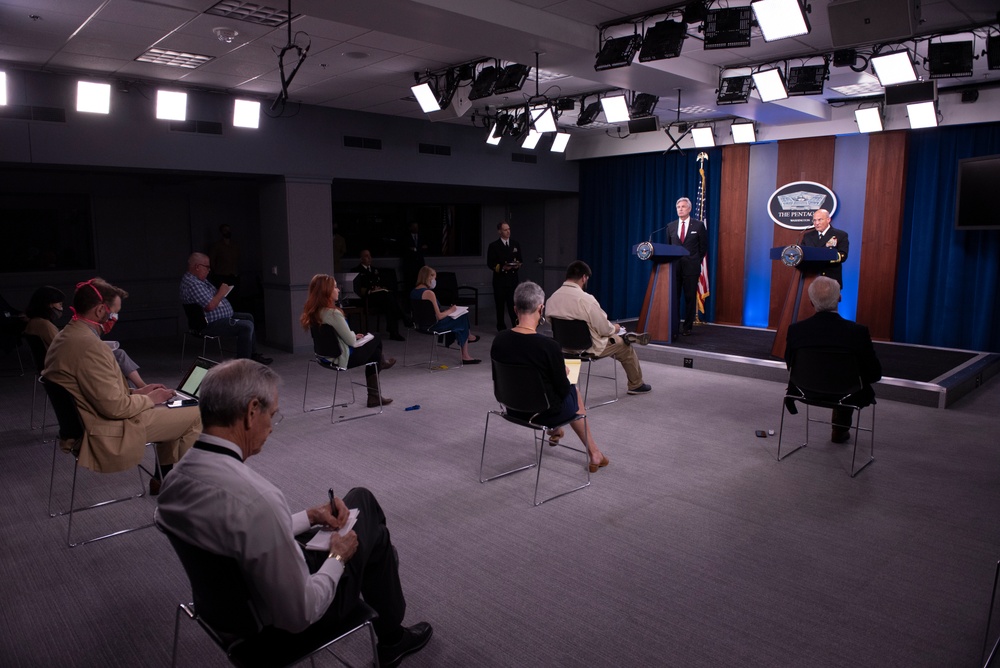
(572,302)
(219,504)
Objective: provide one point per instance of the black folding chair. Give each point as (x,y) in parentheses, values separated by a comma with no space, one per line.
(450,292)
(424,321)
(828,378)
(520,388)
(223,607)
(37,349)
(574,338)
(196,329)
(71,432)
(326,346)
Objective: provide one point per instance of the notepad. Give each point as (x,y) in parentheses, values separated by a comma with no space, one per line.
(573,370)
(459,311)
(321,541)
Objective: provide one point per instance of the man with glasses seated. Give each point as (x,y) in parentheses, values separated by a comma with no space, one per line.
(117,422)
(215,502)
(219,314)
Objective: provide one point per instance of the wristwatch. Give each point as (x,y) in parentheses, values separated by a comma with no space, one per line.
(334,555)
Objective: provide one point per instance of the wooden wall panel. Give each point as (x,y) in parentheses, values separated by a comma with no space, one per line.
(885,192)
(808,159)
(730,272)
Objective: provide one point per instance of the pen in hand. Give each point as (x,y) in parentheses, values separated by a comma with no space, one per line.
(333,506)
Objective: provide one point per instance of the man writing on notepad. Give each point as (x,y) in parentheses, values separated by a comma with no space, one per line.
(212,500)
(219,314)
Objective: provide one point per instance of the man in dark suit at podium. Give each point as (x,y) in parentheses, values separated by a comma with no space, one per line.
(503,257)
(693,236)
(824,236)
(826,329)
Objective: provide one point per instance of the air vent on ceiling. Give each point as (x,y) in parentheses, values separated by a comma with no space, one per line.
(526,158)
(29,113)
(435,149)
(201,127)
(363,142)
(251,12)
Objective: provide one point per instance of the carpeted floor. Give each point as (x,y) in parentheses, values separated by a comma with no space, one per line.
(695,547)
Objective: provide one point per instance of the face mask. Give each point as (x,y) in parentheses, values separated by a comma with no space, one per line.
(109,323)
(433,283)
(56,313)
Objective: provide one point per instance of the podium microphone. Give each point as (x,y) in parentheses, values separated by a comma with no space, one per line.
(650,240)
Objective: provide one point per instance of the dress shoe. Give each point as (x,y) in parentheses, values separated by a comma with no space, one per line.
(604,462)
(474,338)
(374,403)
(257,357)
(154,486)
(413,640)
(686,332)
(642,338)
(472,361)
(642,389)
(840,436)
(396,337)
(387,364)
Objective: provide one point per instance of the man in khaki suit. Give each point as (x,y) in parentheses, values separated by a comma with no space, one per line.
(117,423)
(572,302)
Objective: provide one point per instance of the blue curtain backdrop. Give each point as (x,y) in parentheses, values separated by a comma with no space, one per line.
(947,289)
(625,199)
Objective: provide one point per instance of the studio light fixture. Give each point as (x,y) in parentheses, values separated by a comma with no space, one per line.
(806,79)
(734,89)
(922,115)
(643,105)
(743,132)
(780,19)
(663,40)
(171,105)
(511,79)
(542,119)
(3,89)
(531,140)
(894,68)
(246,114)
(496,133)
(704,137)
(727,27)
(588,114)
(559,142)
(869,119)
(485,81)
(615,108)
(617,52)
(993,52)
(426,97)
(94,98)
(949,59)
(770,85)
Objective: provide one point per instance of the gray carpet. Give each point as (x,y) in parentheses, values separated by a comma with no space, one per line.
(693,548)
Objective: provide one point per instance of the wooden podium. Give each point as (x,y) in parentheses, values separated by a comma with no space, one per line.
(797,305)
(659,316)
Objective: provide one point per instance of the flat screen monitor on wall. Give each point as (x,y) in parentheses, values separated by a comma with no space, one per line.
(976,203)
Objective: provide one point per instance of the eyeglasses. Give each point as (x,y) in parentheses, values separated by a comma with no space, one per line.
(276,418)
(207,266)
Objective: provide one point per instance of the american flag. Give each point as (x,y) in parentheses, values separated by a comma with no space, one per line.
(703,292)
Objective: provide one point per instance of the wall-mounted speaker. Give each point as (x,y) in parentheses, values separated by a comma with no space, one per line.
(857,22)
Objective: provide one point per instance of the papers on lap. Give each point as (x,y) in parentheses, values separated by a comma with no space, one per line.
(364,339)
(573,371)
(321,541)
(459,311)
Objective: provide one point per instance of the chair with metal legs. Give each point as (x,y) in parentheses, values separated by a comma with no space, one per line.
(424,321)
(37,349)
(196,329)
(326,346)
(828,379)
(71,432)
(574,338)
(520,388)
(224,608)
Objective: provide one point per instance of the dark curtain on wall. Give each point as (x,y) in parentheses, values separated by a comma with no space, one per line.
(948,292)
(625,199)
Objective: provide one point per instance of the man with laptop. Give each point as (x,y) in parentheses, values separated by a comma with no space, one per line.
(117,422)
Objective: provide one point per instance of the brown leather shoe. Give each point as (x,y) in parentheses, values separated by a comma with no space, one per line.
(387,364)
(373,402)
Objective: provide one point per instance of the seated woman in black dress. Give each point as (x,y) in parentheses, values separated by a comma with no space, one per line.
(426,282)
(523,345)
(320,309)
